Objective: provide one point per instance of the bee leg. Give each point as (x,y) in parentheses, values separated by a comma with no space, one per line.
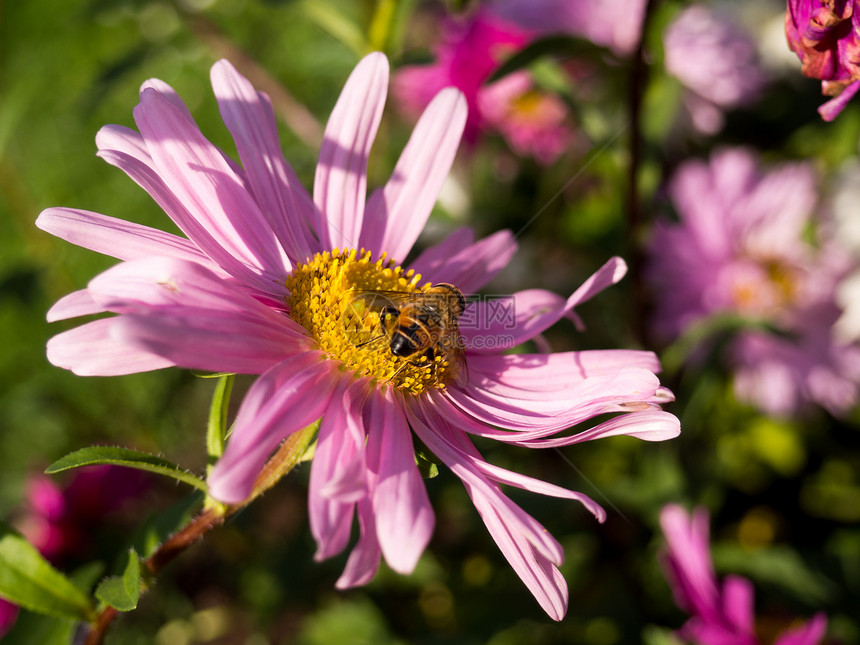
(372,340)
(430,356)
(383,316)
(421,360)
(400,369)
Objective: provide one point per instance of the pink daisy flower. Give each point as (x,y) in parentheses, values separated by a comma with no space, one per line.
(741,247)
(719,615)
(715,60)
(266,283)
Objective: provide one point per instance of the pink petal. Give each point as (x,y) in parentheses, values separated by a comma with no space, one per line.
(510,322)
(647,425)
(363,562)
(125,149)
(477,264)
(170,94)
(183,312)
(834,106)
(176,101)
(653,425)
(449,445)
(92,350)
(812,633)
(115,237)
(285,203)
(596,395)
(432,258)
(77,303)
(738,604)
(550,376)
(511,478)
(538,573)
(196,173)
(531,551)
(338,470)
(404,516)
(396,213)
(287,398)
(693,580)
(340,184)
(493,325)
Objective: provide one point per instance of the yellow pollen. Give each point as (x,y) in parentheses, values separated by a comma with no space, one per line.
(324,300)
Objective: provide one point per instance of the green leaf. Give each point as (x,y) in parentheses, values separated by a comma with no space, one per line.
(164,523)
(336,24)
(28,580)
(427,462)
(212,374)
(117,456)
(216,429)
(122,592)
(38,628)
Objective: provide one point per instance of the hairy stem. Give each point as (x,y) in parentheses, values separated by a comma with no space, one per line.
(282,462)
(638,78)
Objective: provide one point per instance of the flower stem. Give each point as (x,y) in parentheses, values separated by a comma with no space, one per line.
(638,78)
(287,457)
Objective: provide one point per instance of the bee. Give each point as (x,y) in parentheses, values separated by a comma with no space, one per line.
(420,326)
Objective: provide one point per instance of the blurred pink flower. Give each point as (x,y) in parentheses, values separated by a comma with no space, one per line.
(715,60)
(825,35)
(58,521)
(264,284)
(532,121)
(8,616)
(718,615)
(740,247)
(615,24)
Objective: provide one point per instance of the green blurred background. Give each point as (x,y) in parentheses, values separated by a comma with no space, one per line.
(784,495)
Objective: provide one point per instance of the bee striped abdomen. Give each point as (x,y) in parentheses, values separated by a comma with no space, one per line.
(411,334)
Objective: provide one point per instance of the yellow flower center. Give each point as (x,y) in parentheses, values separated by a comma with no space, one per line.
(335,297)
(770,292)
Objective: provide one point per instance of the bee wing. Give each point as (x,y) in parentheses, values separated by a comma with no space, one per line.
(377,300)
(454,351)
(458,367)
(380,302)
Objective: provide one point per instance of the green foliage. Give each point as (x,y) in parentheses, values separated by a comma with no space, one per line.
(122,592)
(216,428)
(164,523)
(117,456)
(28,580)
(66,69)
(350,623)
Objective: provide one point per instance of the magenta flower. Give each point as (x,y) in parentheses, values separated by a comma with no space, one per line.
(532,121)
(741,248)
(8,616)
(715,61)
(825,35)
(616,24)
(718,615)
(265,284)
(468,52)
(59,521)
